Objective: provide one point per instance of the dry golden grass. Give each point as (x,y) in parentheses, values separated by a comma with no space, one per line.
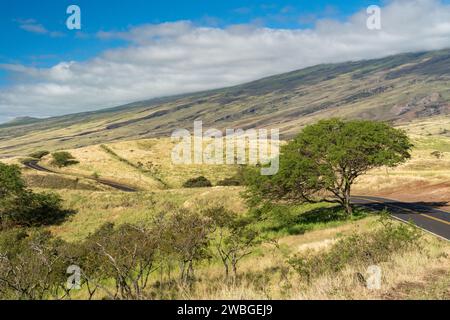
(96,208)
(152,154)
(422,178)
(267,276)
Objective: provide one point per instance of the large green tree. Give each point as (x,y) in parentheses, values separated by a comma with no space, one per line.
(323,161)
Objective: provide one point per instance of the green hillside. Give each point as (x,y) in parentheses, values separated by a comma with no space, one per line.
(398,88)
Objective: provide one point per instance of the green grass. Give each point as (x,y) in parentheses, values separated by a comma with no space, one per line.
(93,209)
(284,220)
(441,144)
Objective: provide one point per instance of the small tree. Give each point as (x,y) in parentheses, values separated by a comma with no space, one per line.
(323,161)
(63,159)
(235,238)
(186,236)
(30,268)
(127,255)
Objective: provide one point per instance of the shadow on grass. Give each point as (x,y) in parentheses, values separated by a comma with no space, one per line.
(289,221)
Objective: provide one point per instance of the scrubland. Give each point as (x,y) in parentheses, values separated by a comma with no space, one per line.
(418,271)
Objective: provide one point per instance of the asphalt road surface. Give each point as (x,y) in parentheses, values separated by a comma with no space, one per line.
(33,164)
(422,215)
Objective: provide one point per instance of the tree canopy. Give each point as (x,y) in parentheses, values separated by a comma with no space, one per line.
(323,161)
(20,206)
(10,180)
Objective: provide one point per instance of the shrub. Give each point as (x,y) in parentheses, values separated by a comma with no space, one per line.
(186,236)
(30,209)
(22,207)
(235,237)
(199,182)
(126,254)
(359,249)
(10,180)
(39,154)
(63,159)
(30,267)
(229,182)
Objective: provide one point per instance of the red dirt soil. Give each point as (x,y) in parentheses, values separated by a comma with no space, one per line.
(434,195)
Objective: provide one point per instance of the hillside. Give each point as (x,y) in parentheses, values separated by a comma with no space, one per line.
(398,88)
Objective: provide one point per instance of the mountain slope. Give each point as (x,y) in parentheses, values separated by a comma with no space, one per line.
(397,88)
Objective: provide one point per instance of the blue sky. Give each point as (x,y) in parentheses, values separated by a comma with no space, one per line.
(106,15)
(139,49)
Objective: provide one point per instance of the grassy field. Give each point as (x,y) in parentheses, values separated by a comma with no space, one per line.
(419,273)
(425,177)
(96,208)
(147,165)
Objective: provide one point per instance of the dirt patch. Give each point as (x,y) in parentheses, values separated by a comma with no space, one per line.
(433,195)
(435,285)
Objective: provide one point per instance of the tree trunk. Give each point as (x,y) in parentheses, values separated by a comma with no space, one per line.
(347,203)
(227,271)
(348,208)
(234,267)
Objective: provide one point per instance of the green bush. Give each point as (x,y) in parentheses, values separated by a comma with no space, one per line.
(30,209)
(63,159)
(227,182)
(11,182)
(359,249)
(39,154)
(20,206)
(199,182)
(30,267)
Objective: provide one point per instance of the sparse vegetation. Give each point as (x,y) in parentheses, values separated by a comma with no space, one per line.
(155,261)
(361,249)
(150,168)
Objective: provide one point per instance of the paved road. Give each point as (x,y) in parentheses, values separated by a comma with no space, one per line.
(33,164)
(426,217)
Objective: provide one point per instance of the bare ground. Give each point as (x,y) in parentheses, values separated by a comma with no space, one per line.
(435,195)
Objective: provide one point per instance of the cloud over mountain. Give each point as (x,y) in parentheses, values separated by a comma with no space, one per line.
(179,57)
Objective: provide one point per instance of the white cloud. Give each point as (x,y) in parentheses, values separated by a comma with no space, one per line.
(179,57)
(31,25)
